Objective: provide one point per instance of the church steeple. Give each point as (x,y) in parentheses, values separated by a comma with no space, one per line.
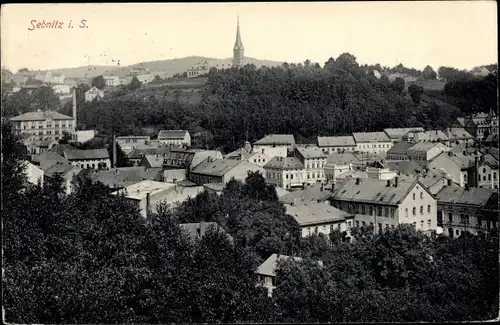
(238,50)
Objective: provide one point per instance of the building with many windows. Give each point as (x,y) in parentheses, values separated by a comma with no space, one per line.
(338,144)
(285,172)
(372,142)
(44,125)
(314,160)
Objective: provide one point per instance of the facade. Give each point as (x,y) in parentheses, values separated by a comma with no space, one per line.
(316,218)
(94,94)
(68,173)
(112,81)
(130,142)
(84,135)
(145,78)
(398,134)
(273,145)
(313,159)
(422,152)
(61,89)
(44,77)
(372,142)
(459,210)
(238,50)
(258,158)
(428,136)
(338,144)
(285,172)
(174,137)
(57,78)
(44,125)
(200,69)
(385,204)
(222,171)
(337,164)
(88,158)
(458,136)
(481,125)
(488,173)
(33,173)
(458,167)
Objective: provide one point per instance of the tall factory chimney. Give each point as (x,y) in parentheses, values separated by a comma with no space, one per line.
(114,150)
(74,106)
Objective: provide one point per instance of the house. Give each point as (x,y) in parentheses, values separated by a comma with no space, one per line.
(425,151)
(428,136)
(267,270)
(94,93)
(174,137)
(273,145)
(338,144)
(285,172)
(44,77)
(199,69)
(385,204)
(61,89)
(46,159)
(146,195)
(481,125)
(459,210)
(145,78)
(34,174)
(458,136)
(151,161)
(314,160)
(82,136)
(399,150)
(175,175)
(460,168)
(215,188)
(68,172)
(432,179)
(130,142)
(480,71)
(57,78)
(117,178)
(373,142)
(338,163)
(314,193)
(488,172)
(222,171)
(88,158)
(404,167)
(199,229)
(44,125)
(257,158)
(135,155)
(398,134)
(112,81)
(380,173)
(188,158)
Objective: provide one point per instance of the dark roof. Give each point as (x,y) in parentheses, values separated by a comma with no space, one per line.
(339,141)
(370,137)
(460,195)
(47,159)
(171,134)
(398,133)
(341,158)
(404,166)
(41,116)
(86,154)
(310,152)
(281,139)
(122,177)
(217,167)
(60,168)
(284,163)
(138,153)
(400,148)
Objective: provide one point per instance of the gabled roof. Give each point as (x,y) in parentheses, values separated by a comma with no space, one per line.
(284,163)
(362,137)
(373,191)
(398,133)
(490,160)
(400,148)
(217,167)
(154,161)
(140,152)
(140,190)
(279,139)
(86,154)
(41,116)
(310,152)
(125,176)
(309,194)
(311,213)
(424,146)
(404,166)
(459,195)
(339,141)
(171,134)
(47,159)
(63,168)
(341,158)
(457,134)
(432,135)
(269,266)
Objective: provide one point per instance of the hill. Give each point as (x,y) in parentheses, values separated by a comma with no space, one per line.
(163,68)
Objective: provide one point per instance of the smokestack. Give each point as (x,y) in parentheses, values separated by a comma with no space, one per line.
(74,106)
(476,176)
(396,181)
(148,201)
(114,150)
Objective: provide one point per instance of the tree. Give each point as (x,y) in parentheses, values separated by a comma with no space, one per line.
(399,85)
(134,84)
(98,82)
(429,73)
(66,138)
(33,82)
(415,92)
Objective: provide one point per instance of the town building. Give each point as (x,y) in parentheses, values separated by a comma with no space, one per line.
(399,150)
(338,144)
(67,171)
(316,218)
(404,167)
(200,69)
(44,125)
(373,142)
(459,210)
(433,179)
(425,151)
(457,136)
(34,174)
(87,158)
(57,78)
(398,134)
(258,158)
(130,142)
(314,160)
(94,93)
(174,137)
(459,167)
(238,50)
(319,192)
(82,136)
(118,178)
(385,204)
(428,136)
(46,159)
(222,171)
(45,77)
(488,172)
(285,172)
(273,145)
(338,163)
(481,125)
(187,159)
(112,81)
(134,156)
(61,89)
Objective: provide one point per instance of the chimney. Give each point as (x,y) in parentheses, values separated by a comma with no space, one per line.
(148,201)
(388,183)
(202,228)
(449,182)
(396,181)
(358,181)
(74,106)
(333,185)
(476,176)
(114,150)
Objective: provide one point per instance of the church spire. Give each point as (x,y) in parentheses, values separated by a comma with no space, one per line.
(238,50)
(238,45)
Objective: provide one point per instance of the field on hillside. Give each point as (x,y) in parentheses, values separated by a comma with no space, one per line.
(429,84)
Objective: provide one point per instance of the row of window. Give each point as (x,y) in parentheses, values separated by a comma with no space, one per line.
(414,210)
(314,164)
(315,230)
(367,146)
(380,229)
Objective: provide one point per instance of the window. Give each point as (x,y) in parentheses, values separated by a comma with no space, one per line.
(484,178)
(406,212)
(415,225)
(414,211)
(357,223)
(386,212)
(429,223)
(421,209)
(349,224)
(370,208)
(489,177)
(291,176)
(484,170)
(429,208)
(413,196)
(421,195)
(363,209)
(331,228)
(315,230)
(422,224)
(379,211)
(379,227)
(450,217)
(286,176)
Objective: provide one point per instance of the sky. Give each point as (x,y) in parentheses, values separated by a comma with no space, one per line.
(461,34)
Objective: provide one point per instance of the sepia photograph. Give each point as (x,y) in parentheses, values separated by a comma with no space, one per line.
(250,162)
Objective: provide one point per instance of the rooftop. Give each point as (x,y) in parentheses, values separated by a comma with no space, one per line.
(401,132)
(125,176)
(460,195)
(424,146)
(457,134)
(215,167)
(140,190)
(269,266)
(61,168)
(284,163)
(311,152)
(404,166)
(281,139)
(41,116)
(215,186)
(339,141)
(341,158)
(363,137)
(311,213)
(400,148)
(171,134)
(312,193)
(47,159)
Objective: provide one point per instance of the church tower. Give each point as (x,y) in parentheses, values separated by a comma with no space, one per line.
(238,50)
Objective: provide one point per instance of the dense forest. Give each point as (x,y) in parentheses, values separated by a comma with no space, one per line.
(89,257)
(303,99)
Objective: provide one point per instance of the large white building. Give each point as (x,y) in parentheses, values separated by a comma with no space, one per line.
(94,93)
(44,125)
(174,137)
(285,172)
(372,142)
(273,145)
(337,144)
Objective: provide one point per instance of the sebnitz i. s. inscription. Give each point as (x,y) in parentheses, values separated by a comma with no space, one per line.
(56,24)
